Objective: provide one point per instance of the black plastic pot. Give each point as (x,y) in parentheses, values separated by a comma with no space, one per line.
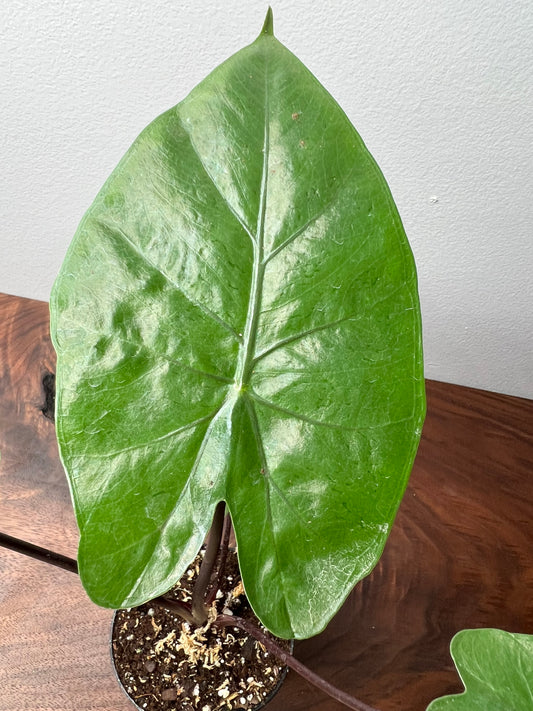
(259,706)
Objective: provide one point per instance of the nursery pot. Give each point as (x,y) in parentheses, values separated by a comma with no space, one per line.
(162,663)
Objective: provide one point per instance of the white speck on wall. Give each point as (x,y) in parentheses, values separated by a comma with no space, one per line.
(440,92)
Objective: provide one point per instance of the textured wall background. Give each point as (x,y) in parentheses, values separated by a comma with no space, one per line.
(442,93)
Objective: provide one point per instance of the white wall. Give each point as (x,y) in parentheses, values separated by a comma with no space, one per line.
(442,93)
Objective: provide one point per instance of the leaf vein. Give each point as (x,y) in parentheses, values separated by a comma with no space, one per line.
(157,440)
(215,317)
(302,334)
(313,218)
(214,183)
(299,415)
(268,502)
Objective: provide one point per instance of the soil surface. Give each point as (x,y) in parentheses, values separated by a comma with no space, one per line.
(166,664)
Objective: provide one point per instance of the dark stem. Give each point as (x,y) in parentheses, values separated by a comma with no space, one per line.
(42,554)
(222,555)
(199,607)
(61,561)
(180,608)
(290,661)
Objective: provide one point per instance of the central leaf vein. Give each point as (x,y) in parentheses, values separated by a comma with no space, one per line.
(246,355)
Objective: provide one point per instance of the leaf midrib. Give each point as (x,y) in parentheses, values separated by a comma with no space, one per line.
(247,350)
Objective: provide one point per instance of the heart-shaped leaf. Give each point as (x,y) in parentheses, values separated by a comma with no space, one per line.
(237,319)
(496,669)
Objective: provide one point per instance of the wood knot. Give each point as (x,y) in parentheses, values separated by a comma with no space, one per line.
(49,391)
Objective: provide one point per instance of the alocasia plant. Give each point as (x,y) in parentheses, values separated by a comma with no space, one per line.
(237,320)
(496,668)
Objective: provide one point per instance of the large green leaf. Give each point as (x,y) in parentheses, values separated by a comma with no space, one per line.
(237,319)
(496,669)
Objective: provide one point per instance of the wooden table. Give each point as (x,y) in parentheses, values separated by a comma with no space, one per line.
(460,554)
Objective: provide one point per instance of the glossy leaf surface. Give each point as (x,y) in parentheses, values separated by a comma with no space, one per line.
(237,319)
(496,669)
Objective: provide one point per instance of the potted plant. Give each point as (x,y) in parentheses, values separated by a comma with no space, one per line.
(239,349)
(238,336)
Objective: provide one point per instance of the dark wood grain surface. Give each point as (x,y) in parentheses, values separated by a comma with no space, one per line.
(460,554)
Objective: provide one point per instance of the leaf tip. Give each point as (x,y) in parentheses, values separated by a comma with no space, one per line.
(268,25)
